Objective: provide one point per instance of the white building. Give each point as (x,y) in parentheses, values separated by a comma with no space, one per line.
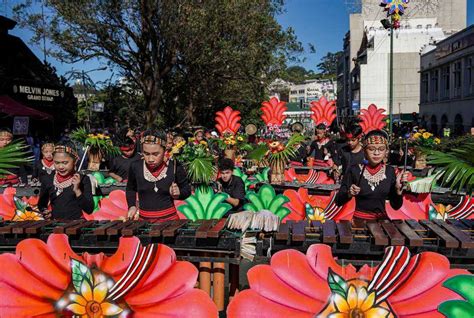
(374,67)
(312,90)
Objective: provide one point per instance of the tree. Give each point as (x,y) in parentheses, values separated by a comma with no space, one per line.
(184,55)
(328,65)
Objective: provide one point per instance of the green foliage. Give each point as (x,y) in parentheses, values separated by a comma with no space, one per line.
(337,284)
(457,166)
(204,204)
(198,162)
(245,178)
(464,286)
(13,155)
(96,142)
(259,152)
(289,151)
(267,199)
(263,175)
(328,65)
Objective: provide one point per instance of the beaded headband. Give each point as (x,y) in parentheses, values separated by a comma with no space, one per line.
(375,140)
(48,144)
(150,139)
(198,131)
(5,133)
(66,149)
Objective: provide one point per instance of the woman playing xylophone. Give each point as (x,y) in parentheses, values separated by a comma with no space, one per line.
(68,192)
(157,181)
(374,182)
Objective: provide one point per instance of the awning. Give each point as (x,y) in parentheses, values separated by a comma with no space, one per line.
(11,107)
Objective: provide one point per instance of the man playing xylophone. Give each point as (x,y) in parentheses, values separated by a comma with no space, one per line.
(372,183)
(157,182)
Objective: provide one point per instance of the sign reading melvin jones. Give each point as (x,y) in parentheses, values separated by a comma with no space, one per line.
(37,93)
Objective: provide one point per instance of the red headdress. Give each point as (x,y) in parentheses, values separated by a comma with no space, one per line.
(273,112)
(372,118)
(324,111)
(228,121)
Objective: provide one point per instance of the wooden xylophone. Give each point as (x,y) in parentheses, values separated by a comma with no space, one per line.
(364,242)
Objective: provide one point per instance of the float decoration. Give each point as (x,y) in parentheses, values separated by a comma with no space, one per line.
(312,177)
(457,166)
(204,204)
(50,280)
(315,285)
(324,111)
(372,118)
(267,199)
(260,177)
(25,212)
(228,121)
(461,211)
(113,207)
(395,6)
(464,286)
(97,146)
(316,207)
(198,161)
(273,112)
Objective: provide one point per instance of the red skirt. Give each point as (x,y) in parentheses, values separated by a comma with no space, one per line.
(369,216)
(159,215)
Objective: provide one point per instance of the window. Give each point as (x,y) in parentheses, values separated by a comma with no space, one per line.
(469,76)
(424,88)
(434,91)
(457,79)
(445,82)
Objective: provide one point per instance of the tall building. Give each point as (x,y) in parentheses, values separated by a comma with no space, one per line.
(312,90)
(447,83)
(363,76)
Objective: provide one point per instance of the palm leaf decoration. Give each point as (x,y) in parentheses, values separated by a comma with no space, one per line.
(464,286)
(457,166)
(289,151)
(263,175)
(200,170)
(258,153)
(204,204)
(245,178)
(13,155)
(267,199)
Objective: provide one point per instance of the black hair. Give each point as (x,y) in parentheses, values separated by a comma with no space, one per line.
(5,129)
(226,164)
(321,127)
(377,132)
(355,131)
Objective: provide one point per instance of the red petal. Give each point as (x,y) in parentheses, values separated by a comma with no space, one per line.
(14,303)
(117,264)
(60,251)
(249,304)
(263,281)
(194,303)
(181,277)
(292,267)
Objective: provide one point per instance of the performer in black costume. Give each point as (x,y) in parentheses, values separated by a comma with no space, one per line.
(67,191)
(374,183)
(353,152)
(322,148)
(156,181)
(45,166)
(121,164)
(232,185)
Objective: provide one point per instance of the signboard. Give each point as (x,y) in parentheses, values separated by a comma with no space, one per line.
(355,105)
(20,125)
(36,93)
(98,107)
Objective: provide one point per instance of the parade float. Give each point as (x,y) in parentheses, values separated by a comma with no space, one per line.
(293,252)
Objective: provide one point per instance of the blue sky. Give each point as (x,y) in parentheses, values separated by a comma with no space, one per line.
(320,22)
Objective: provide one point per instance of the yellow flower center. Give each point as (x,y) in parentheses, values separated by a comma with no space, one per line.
(357,313)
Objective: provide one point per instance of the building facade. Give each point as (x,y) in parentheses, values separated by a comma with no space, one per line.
(312,90)
(447,83)
(363,72)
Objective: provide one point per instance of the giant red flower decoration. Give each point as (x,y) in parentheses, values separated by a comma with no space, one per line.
(315,285)
(415,207)
(7,205)
(324,111)
(312,176)
(49,280)
(372,118)
(113,207)
(316,207)
(228,121)
(273,112)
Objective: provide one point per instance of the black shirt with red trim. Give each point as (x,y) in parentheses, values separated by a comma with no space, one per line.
(369,200)
(66,206)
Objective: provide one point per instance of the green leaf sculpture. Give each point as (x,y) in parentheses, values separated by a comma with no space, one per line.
(263,175)
(337,284)
(245,178)
(80,272)
(464,286)
(13,155)
(204,204)
(267,199)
